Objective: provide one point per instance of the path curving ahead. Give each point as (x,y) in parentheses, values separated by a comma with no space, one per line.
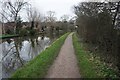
(65,65)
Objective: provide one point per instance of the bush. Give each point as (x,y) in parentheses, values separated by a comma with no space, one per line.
(23,32)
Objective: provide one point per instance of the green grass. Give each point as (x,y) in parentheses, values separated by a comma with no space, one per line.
(6,36)
(89,66)
(38,67)
(86,68)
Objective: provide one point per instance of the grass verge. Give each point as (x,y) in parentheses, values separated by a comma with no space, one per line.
(3,36)
(38,67)
(89,66)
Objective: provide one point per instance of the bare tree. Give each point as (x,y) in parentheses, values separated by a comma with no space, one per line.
(51,16)
(65,17)
(34,17)
(11,10)
(50,20)
(64,20)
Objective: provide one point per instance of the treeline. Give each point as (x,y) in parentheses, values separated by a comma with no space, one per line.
(98,25)
(13,22)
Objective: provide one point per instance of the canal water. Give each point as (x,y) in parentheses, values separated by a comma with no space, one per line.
(16,52)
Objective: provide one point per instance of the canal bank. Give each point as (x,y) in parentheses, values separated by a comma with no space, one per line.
(38,67)
(28,48)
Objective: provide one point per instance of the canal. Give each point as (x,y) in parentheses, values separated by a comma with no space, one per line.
(16,52)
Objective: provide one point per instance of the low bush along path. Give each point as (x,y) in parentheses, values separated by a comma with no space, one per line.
(65,65)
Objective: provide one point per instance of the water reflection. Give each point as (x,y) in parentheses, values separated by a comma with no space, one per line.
(18,51)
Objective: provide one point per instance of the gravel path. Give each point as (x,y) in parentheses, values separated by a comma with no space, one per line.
(65,65)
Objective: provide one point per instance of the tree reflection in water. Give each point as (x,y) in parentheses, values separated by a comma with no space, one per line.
(18,51)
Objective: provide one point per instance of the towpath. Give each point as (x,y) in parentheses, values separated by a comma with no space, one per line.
(65,65)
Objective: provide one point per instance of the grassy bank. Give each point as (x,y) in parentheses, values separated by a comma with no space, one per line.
(38,67)
(3,36)
(89,66)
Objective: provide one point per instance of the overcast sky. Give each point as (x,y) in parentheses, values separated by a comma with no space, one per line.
(61,7)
